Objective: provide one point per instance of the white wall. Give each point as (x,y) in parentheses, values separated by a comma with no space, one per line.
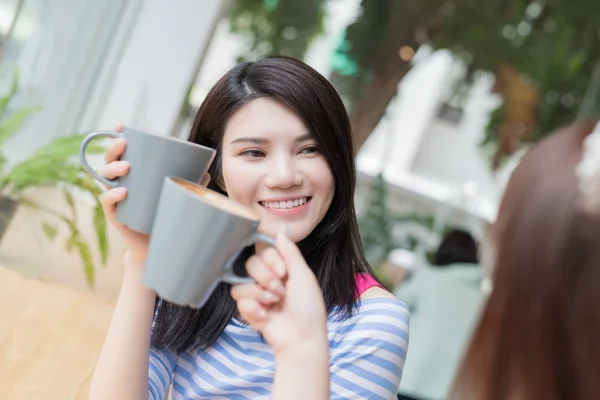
(159,64)
(397,137)
(450,153)
(60,52)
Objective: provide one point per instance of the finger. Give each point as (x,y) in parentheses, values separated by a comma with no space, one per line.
(269,228)
(263,275)
(115,169)
(110,199)
(118,127)
(253,312)
(254,292)
(273,260)
(205,180)
(292,257)
(115,150)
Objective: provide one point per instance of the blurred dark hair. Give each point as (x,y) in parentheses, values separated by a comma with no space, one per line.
(333,249)
(457,246)
(539,334)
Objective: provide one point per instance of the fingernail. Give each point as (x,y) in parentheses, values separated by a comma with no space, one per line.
(262,313)
(270,296)
(276,287)
(280,270)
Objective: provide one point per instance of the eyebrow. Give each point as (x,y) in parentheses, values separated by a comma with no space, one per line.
(261,140)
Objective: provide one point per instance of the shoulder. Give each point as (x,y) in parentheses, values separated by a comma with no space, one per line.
(378,315)
(377,302)
(378,307)
(376,293)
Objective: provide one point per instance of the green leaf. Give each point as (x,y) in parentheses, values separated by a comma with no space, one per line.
(49,230)
(5,100)
(11,124)
(88,263)
(71,244)
(67,146)
(100,227)
(54,164)
(71,202)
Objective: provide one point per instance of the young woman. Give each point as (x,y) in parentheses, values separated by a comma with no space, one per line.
(284,149)
(539,334)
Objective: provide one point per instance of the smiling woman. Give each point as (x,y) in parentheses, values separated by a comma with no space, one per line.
(284,150)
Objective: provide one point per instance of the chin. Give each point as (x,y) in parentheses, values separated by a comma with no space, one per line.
(297,234)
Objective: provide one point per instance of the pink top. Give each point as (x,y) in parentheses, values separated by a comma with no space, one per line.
(365,282)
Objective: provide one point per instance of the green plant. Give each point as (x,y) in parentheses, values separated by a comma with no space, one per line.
(277,27)
(53,165)
(377,224)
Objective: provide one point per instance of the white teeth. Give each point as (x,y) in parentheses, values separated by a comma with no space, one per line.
(285,204)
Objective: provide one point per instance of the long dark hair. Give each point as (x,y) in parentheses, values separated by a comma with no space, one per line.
(333,249)
(539,334)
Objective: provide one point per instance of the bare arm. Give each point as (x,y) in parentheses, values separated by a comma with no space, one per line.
(122,368)
(302,372)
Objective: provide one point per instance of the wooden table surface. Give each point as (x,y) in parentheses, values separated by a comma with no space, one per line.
(50,338)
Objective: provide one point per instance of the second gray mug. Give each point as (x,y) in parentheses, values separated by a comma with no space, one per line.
(151,158)
(197,235)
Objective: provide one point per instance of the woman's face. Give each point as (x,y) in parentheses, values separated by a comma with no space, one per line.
(272,164)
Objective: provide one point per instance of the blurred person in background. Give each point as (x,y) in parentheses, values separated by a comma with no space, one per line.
(444,300)
(284,150)
(539,334)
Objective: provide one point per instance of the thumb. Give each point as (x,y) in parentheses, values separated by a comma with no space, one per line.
(205,180)
(290,253)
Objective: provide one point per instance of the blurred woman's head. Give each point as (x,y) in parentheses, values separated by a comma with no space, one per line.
(539,334)
(457,246)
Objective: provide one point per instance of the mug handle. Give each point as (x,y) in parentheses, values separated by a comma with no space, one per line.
(233,279)
(84,163)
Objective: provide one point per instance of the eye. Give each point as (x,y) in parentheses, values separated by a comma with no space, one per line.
(253,153)
(310,150)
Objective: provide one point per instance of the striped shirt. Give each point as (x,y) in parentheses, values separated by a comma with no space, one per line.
(367,353)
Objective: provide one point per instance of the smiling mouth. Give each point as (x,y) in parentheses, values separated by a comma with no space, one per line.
(285,205)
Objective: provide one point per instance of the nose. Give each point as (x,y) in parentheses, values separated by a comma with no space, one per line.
(283,174)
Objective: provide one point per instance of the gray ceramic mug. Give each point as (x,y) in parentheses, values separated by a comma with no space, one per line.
(151,159)
(197,235)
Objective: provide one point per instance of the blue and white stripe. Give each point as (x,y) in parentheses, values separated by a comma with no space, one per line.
(367,357)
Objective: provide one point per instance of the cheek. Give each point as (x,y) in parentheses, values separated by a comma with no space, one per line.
(239,180)
(323,180)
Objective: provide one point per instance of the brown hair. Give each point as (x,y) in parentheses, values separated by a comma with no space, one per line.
(539,333)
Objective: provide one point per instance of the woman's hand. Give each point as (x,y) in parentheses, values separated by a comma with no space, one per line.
(137,242)
(286,304)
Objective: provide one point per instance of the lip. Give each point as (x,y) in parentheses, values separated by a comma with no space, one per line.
(285,198)
(287,212)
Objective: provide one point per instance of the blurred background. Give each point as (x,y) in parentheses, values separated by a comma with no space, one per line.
(445,96)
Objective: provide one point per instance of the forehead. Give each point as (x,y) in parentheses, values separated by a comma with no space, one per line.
(264,117)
